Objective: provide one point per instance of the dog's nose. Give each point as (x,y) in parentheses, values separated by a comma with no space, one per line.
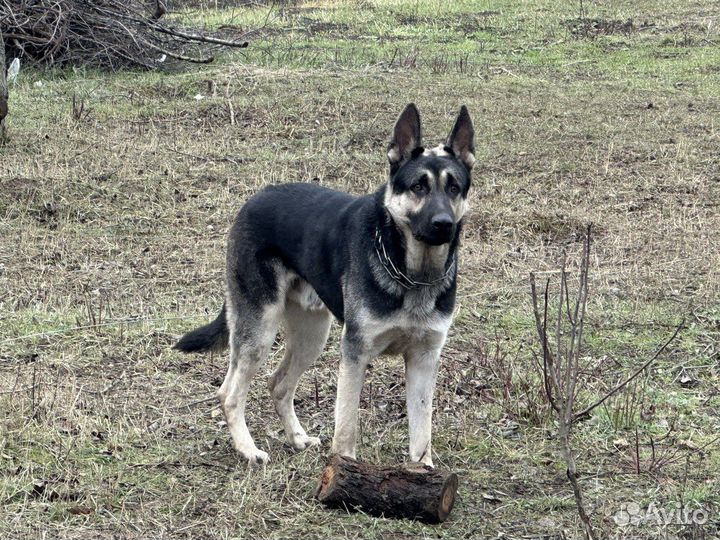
(442,222)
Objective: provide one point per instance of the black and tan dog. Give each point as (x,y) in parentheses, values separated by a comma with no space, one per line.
(384,265)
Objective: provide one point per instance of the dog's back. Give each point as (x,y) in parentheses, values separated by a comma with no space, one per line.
(303,228)
(296,227)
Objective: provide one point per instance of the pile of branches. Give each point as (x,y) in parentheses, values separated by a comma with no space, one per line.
(108,34)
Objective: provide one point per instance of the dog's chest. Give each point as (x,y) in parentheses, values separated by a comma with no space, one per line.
(395,333)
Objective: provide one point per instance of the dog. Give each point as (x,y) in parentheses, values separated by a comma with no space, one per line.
(384,265)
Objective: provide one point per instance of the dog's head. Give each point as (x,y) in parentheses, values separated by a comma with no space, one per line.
(427,190)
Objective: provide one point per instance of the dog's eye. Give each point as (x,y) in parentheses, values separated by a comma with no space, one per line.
(417,188)
(454,189)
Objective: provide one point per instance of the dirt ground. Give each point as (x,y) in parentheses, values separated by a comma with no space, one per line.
(112,232)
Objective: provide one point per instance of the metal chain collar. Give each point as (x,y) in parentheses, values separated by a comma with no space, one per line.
(397,275)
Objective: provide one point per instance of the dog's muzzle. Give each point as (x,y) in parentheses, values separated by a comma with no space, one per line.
(440,230)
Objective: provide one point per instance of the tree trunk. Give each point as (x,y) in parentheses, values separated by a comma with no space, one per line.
(413,491)
(3,88)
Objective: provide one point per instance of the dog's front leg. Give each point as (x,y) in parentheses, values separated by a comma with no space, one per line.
(353,364)
(421,367)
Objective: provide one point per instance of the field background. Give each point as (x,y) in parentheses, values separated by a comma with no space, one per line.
(112,231)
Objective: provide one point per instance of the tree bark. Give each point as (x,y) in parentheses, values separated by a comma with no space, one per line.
(3,89)
(413,491)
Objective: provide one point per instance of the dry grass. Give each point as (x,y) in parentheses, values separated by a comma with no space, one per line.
(112,233)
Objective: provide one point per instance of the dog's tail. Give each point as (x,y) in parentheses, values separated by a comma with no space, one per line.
(211,337)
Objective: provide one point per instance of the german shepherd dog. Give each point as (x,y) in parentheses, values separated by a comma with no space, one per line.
(384,265)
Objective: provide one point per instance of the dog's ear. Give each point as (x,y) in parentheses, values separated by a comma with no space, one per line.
(462,138)
(407,136)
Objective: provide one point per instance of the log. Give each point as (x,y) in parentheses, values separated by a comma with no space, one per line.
(413,491)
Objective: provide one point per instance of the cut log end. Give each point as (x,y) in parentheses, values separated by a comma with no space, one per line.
(447,496)
(412,491)
(327,483)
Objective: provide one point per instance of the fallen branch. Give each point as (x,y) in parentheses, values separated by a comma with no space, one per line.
(104,33)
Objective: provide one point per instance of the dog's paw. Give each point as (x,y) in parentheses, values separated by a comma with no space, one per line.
(300,441)
(256,457)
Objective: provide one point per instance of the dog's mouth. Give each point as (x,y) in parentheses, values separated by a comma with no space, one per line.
(434,239)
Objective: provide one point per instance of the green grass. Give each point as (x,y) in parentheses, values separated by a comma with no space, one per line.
(112,231)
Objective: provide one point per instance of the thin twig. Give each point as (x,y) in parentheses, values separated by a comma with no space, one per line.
(637,372)
(193,403)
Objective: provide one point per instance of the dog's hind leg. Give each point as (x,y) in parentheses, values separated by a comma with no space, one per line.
(307,331)
(250,343)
